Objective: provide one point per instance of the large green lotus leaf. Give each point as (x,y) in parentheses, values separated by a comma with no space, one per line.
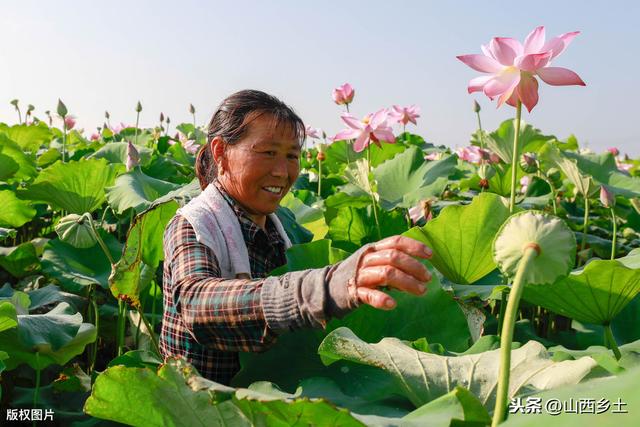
(14,212)
(28,137)
(8,166)
(20,261)
(296,232)
(426,376)
(352,228)
(603,169)
(603,392)
(136,190)
(76,186)
(26,165)
(595,294)
(139,396)
(304,214)
(76,268)
(44,339)
(48,157)
(501,140)
(38,298)
(336,156)
(461,237)
(8,316)
(413,318)
(553,157)
(116,152)
(142,253)
(406,179)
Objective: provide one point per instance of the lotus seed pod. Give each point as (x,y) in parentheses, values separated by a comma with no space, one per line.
(529,162)
(309,156)
(14,102)
(321,156)
(484,183)
(76,230)
(548,235)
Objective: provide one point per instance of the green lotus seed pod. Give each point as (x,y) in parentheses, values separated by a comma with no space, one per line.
(548,235)
(76,230)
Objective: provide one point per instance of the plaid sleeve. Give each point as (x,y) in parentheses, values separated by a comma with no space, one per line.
(219,313)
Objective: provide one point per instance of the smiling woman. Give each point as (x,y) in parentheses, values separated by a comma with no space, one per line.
(221,246)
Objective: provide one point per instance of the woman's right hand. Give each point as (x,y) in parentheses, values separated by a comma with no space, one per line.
(390,262)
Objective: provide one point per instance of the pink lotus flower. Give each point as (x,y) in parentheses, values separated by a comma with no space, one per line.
(623,167)
(133,157)
(614,151)
(95,137)
(189,145)
(118,128)
(69,122)
(512,67)
(314,133)
(405,115)
(436,155)
(372,128)
(474,154)
(343,94)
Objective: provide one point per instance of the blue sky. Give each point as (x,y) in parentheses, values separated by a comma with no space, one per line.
(100,56)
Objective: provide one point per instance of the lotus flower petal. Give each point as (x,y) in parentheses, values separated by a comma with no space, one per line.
(477,84)
(481,63)
(534,41)
(533,61)
(505,49)
(347,134)
(503,84)
(351,121)
(558,76)
(361,142)
(528,92)
(558,44)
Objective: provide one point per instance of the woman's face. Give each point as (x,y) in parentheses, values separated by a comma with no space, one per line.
(261,167)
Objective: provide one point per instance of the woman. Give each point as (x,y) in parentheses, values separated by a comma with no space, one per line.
(220,247)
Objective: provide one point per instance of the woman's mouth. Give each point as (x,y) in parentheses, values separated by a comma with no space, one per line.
(274,190)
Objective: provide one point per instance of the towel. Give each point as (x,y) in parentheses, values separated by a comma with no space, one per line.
(217,227)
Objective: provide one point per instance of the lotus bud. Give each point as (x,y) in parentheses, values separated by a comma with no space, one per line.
(486,172)
(133,157)
(476,106)
(614,151)
(69,122)
(62,109)
(138,107)
(106,115)
(161,117)
(607,198)
(529,163)
(168,120)
(192,109)
(76,230)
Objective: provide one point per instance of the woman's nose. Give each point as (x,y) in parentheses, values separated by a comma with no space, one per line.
(279,168)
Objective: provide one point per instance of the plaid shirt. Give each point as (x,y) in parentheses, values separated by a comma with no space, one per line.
(207,319)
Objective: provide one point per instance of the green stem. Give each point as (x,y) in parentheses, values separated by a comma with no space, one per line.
(514,158)
(615,236)
(506,338)
(151,331)
(610,341)
(153,305)
(64,141)
(100,241)
(122,311)
(137,121)
(94,351)
(480,129)
(373,198)
(36,392)
(319,177)
(504,297)
(585,223)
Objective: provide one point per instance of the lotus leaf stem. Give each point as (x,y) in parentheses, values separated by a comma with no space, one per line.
(615,232)
(585,225)
(514,158)
(610,341)
(506,337)
(373,197)
(151,331)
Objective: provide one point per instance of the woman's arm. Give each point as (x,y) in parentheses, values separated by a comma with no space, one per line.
(246,315)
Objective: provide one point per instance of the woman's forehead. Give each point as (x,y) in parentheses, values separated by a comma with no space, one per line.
(267,129)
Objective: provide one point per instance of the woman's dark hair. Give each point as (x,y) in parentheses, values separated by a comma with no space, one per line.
(231,121)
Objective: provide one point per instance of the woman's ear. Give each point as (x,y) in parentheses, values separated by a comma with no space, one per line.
(217,151)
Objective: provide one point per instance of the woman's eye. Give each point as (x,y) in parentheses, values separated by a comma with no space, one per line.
(270,153)
(293,156)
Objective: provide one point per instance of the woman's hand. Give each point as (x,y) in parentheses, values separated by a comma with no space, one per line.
(390,262)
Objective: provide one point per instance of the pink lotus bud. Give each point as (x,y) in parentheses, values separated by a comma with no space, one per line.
(607,198)
(343,94)
(614,151)
(69,122)
(133,157)
(524,182)
(95,137)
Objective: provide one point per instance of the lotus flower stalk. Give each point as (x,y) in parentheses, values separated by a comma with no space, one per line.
(610,341)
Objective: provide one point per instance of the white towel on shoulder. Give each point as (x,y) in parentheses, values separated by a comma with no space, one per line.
(217,226)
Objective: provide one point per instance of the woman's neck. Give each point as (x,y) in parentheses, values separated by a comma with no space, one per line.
(259,219)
